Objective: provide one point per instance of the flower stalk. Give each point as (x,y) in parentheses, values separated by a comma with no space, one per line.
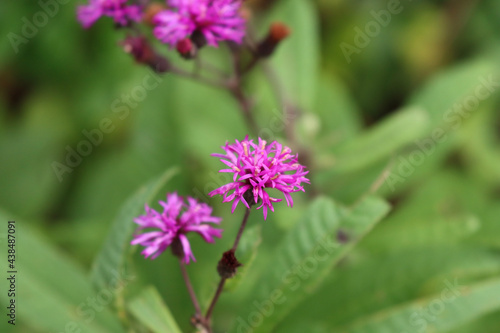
(227,268)
(190,288)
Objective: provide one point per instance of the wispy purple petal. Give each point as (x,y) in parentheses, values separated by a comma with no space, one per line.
(156,232)
(119,10)
(216,20)
(258,167)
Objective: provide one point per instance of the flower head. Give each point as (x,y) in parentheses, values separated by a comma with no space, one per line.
(215,20)
(121,13)
(171,227)
(257,167)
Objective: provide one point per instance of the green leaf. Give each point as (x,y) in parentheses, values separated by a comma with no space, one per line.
(30,149)
(112,257)
(382,141)
(152,312)
(416,233)
(485,324)
(444,92)
(490,228)
(216,122)
(480,141)
(469,303)
(366,283)
(53,293)
(120,165)
(324,235)
(338,115)
(357,163)
(297,60)
(304,326)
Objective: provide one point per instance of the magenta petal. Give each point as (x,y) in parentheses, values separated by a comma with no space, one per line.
(235,203)
(176,220)
(121,13)
(217,20)
(148,251)
(264,210)
(88,15)
(259,167)
(206,231)
(145,237)
(186,247)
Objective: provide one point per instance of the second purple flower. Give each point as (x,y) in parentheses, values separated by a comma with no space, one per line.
(170,227)
(214,20)
(119,10)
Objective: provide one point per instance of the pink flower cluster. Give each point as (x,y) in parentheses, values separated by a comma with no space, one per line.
(121,13)
(171,226)
(258,167)
(215,20)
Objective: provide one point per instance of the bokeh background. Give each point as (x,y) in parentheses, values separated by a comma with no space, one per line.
(365,117)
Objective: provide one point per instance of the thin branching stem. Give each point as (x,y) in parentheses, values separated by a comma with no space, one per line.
(222,281)
(240,231)
(197,77)
(189,287)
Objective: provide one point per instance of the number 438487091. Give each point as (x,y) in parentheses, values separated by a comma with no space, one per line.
(11,257)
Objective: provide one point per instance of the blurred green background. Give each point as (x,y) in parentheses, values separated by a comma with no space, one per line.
(410,105)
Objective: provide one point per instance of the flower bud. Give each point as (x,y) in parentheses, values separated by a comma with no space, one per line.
(186,48)
(176,248)
(144,53)
(228,265)
(277,32)
(342,236)
(138,47)
(198,38)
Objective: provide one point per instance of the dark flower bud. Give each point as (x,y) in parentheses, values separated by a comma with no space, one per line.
(342,236)
(139,48)
(277,32)
(143,53)
(250,199)
(198,38)
(228,265)
(186,48)
(176,248)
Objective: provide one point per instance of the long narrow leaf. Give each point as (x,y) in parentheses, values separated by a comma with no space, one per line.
(152,312)
(449,309)
(324,235)
(111,259)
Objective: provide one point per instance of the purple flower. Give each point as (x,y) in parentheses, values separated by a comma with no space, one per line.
(216,20)
(121,13)
(171,227)
(259,167)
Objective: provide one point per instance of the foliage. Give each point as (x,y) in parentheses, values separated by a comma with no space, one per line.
(405,163)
